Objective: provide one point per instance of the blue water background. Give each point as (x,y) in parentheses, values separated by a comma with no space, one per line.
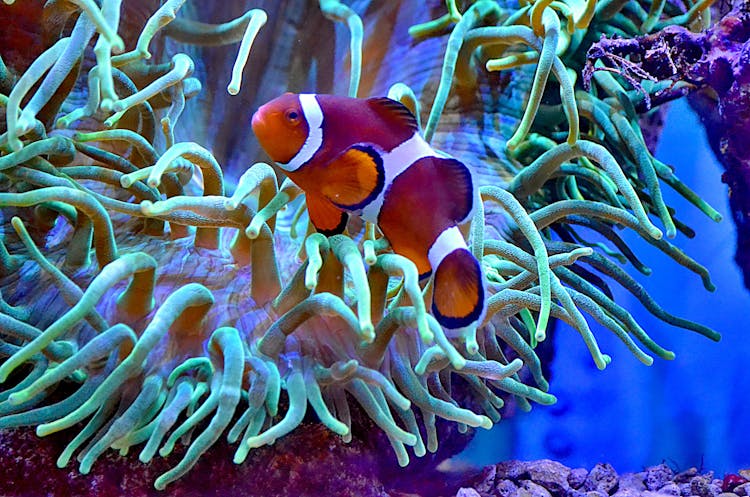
(693,411)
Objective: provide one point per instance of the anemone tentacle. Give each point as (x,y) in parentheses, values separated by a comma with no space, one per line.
(206,314)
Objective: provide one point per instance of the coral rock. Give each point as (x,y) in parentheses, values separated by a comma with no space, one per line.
(552,475)
(512,470)
(634,481)
(506,488)
(603,478)
(531,489)
(658,476)
(577,477)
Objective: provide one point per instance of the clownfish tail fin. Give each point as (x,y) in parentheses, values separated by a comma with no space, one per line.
(459,293)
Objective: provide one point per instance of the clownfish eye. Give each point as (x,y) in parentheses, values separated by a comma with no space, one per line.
(292,116)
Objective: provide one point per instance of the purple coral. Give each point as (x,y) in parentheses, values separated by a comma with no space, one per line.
(712,66)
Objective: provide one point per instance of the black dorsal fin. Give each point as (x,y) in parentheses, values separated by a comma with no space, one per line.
(396,111)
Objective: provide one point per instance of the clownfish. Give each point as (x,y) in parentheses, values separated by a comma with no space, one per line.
(366,157)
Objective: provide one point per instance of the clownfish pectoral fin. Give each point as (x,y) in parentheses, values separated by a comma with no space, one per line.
(354,178)
(326,217)
(394,112)
(458,295)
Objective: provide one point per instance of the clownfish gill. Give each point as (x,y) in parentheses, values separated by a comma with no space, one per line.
(366,157)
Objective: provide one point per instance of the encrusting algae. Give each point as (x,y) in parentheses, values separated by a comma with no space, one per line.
(195,318)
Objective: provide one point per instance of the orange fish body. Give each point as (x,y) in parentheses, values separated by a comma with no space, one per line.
(366,157)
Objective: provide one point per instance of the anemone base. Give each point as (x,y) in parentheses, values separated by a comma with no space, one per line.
(311,461)
(314,462)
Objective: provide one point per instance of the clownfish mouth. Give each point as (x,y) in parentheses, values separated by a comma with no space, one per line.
(264,131)
(257,121)
(258,125)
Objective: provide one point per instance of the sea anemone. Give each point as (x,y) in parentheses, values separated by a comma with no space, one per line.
(211,307)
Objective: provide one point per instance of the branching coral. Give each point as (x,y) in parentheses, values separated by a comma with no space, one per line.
(167,342)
